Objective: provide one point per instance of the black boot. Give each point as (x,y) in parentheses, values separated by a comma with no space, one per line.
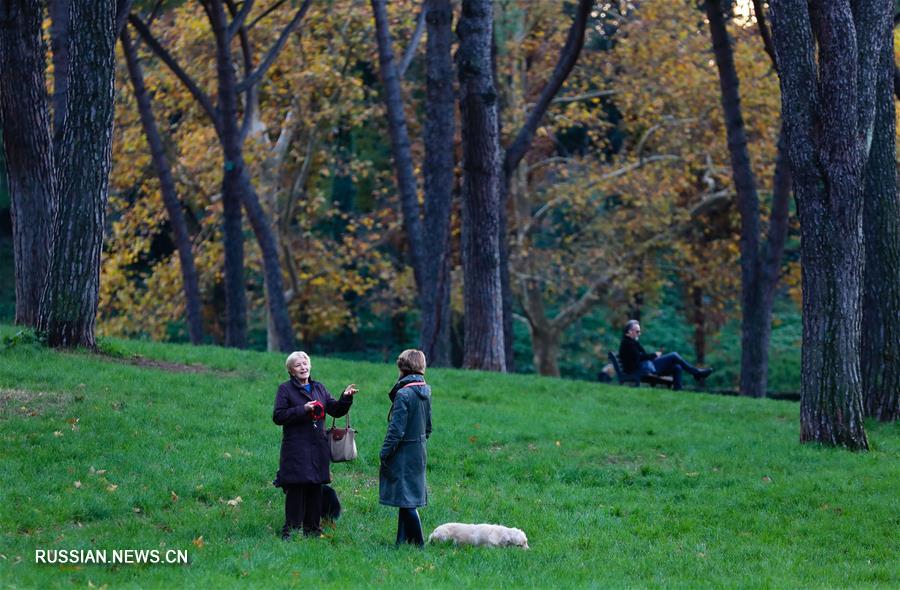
(702,374)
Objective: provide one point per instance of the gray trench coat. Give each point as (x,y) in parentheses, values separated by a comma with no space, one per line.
(403,454)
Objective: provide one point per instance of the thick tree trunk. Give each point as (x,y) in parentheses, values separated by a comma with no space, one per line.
(29,151)
(180,235)
(880,354)
(69,302)
(828,109)
(440,130)
(400,146)
(483,298)
(545,347)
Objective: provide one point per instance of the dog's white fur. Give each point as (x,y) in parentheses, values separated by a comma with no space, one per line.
(492,535)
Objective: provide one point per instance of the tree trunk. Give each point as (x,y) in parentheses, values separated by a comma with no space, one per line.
(440,130)
(29,151)
(828,108)
(69,302)
(235,294)
(274,281)
(400,147)
(880,354)
(699,325)
(180,235)
(483,298)
(758,280)
(545,346)
(515,152)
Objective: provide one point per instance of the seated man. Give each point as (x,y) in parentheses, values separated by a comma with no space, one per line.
(635,359)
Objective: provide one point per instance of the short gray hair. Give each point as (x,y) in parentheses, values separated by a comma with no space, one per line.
(292,358)
(629,325)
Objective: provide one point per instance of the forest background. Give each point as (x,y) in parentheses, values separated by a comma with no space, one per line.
(633,146)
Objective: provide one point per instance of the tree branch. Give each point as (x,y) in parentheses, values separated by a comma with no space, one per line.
(179,72)
(764,31)
(568,57)
(238,19)
(265,13)
(414,42)
(257,75)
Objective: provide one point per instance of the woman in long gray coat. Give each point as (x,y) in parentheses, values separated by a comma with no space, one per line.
(403,454)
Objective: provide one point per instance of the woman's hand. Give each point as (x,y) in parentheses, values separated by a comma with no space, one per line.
(351,389)
(308,406)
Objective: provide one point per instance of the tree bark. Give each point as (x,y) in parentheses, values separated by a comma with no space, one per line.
(483,298)
(828,109)
(759,263)
(180,235)
(59,42)
(440,131)
(69,301)
(29,151)
(880,354)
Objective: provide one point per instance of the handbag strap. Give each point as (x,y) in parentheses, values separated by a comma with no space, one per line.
(348,419)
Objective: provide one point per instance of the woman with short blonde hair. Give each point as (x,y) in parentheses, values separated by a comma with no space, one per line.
(300,407)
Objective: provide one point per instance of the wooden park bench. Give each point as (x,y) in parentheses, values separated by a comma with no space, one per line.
(636,378)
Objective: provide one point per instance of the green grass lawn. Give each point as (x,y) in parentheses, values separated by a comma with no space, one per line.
(615,487)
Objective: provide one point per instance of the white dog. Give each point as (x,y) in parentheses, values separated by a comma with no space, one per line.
(492,535)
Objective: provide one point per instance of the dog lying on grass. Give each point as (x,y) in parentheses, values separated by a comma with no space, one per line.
(491,535)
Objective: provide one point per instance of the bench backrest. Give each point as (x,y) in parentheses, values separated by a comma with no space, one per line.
(614,359)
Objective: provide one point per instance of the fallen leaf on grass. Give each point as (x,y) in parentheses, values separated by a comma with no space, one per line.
(692,473)
(57,433)
(767,479)
(174,496)
(112,487)
(77,484)
(234,501)
(199,542)
(227,455)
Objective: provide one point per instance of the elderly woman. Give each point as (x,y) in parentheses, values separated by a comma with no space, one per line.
(300,407)
(403,454)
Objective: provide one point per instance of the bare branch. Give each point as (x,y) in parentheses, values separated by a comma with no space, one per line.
(257,75)
(414,42)
(567,58)
(764,32)
(179,72)
(238,19)
(580,97)
(265,13)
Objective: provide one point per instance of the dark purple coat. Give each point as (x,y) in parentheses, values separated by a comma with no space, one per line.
(305,455)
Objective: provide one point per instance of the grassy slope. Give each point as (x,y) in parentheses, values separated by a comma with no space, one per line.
(614,487)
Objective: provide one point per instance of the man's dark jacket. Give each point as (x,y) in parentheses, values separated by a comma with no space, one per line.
(632,354)
(305,454)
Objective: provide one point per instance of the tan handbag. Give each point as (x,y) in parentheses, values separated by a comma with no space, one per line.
(342,442)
